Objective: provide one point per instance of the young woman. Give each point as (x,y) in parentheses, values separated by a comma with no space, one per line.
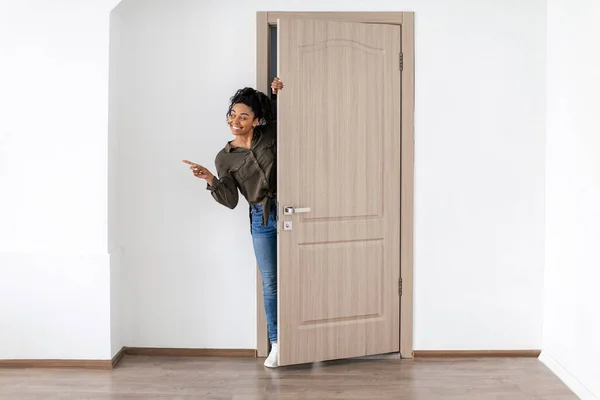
(248,163)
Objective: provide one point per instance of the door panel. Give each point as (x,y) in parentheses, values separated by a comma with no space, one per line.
(339,155)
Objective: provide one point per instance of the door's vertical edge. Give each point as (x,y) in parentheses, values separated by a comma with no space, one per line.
(407,192)
(262,77)
(286,286)
(282,246)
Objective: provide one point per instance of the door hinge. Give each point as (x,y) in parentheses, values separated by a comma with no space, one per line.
(399,286)
(401,62)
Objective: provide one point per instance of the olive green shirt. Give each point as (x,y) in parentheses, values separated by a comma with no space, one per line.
(253,171)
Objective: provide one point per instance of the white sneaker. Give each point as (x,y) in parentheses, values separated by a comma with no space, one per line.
(271,361)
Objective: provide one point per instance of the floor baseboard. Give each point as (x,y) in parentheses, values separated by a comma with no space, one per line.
(183,352)
(118,357)
(565,376)
(89,364)
(180,352)
(475,353)
(135,351)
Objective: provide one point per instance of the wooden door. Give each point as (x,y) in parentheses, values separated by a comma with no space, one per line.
(339,170)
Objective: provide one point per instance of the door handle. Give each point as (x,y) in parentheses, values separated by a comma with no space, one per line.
(292,210)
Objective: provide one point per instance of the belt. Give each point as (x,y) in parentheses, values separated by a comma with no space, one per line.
(266,207)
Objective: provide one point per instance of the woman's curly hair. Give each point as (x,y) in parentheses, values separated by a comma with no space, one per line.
(259,103)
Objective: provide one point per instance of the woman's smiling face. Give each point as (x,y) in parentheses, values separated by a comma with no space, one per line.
(241,120)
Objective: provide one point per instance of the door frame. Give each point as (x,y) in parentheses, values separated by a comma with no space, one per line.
(266,19)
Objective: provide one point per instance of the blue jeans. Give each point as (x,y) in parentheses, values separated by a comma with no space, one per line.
(264,239)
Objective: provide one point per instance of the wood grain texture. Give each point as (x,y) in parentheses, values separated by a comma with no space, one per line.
(153,378)
(406,19)
(262,84)
(339,142)
(408,175)
(475,353)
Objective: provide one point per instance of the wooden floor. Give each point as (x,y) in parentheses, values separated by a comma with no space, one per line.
(140,377)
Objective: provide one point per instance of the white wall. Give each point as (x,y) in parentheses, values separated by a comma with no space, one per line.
(480,153)
(54,266)
(571,344)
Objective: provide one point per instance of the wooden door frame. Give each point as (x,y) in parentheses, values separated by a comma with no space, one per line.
(266,19)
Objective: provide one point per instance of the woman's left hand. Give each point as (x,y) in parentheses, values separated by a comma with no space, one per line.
(276,85)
